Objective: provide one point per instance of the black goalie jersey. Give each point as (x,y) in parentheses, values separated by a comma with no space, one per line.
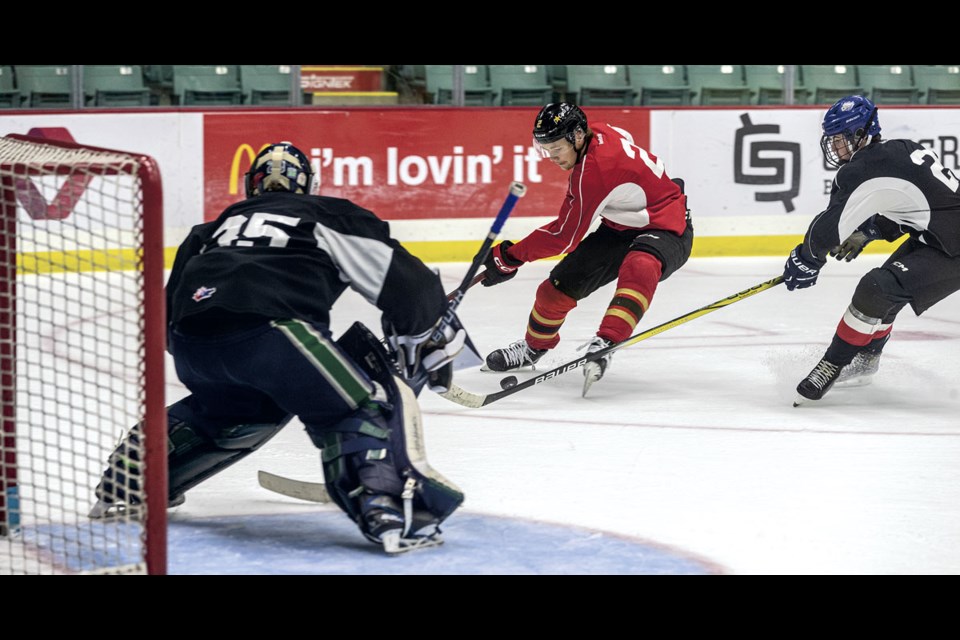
(902,181)
(288,256)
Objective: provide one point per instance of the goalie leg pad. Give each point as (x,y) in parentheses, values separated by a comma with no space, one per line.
(356,457)
(385,434)
(193,456)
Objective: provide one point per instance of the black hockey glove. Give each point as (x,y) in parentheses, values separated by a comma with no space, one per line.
(801,272)
(500,266)
(853,246)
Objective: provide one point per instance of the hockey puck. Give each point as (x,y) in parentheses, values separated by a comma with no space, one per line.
(508,383)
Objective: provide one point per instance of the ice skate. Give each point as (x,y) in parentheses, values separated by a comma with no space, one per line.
(515,356)
(860,372)
(594,370)
(864,366)
(384,522)
(817,382)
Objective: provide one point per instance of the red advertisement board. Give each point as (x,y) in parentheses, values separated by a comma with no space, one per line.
(402,163)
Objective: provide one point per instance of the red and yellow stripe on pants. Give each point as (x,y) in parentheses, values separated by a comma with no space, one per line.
(636,284)
(623,314)
(550,309)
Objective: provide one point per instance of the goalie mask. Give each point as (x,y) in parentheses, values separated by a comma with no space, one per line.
(281,167)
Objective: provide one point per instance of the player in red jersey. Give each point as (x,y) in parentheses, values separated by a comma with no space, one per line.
(645,235)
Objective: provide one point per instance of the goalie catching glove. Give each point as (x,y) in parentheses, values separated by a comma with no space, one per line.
(429,354)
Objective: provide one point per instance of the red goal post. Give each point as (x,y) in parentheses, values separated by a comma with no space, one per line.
(82,343)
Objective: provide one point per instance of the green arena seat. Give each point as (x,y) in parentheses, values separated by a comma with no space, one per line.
(938,84)
(660,84)
(45,87)
(207,85)
(718,84)
(521,84)
(115,86)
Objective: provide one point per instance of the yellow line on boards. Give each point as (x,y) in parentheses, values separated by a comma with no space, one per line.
(437,251)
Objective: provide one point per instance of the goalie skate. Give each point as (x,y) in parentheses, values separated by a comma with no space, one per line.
(386,524)
(394,543)
(104,510)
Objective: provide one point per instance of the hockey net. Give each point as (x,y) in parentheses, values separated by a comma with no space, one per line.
(81,355)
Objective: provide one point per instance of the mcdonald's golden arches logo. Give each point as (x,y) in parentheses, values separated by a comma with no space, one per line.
(236,178)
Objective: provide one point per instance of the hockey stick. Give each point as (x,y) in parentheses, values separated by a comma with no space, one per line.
(477,278)
(510,385)
(455,297)
(517,191)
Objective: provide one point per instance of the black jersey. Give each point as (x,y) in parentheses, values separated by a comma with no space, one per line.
(903,182)
(288,256)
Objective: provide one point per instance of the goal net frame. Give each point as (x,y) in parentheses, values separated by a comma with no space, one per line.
(22,202)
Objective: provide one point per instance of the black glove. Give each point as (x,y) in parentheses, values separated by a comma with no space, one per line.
(800,271)
(500,266)
(852,246)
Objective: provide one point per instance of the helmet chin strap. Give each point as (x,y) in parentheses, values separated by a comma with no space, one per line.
(865,135)
(859,144)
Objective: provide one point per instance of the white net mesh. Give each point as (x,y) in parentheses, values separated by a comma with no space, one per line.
(71,316)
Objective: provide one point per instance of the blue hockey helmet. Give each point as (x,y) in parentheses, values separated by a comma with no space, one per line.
(558,120)
(846,125)
(281,167)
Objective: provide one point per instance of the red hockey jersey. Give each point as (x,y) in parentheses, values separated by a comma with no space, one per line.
(615,179)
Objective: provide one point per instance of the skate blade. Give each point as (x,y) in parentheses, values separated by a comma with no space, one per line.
(799,400)
(591,373)
(109,510)
(854,381)
(393,544)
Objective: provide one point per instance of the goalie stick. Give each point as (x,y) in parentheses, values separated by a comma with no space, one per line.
(309,491)
(476,400)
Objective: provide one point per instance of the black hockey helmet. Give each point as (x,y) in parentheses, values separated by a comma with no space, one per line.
(280,167)
(559,120)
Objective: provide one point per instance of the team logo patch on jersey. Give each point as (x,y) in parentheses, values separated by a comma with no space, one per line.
(203,293)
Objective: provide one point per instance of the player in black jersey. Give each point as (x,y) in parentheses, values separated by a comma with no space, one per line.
(883,189)
(248,302)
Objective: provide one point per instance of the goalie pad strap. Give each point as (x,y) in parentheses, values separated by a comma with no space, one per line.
(334,451)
